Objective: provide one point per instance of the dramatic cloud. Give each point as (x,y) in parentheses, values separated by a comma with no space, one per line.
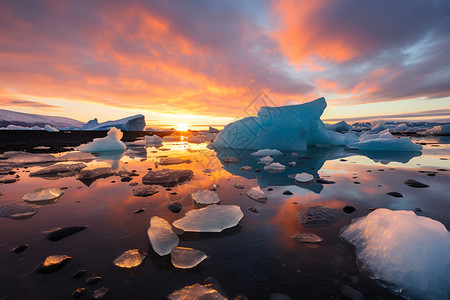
(213,57)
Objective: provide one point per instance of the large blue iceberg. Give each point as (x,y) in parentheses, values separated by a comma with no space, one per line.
(291,127)
(133,123)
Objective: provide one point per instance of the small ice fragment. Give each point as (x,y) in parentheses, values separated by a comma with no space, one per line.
(174,161)
(52,264)
(213,218)
(230,160)
(18,211)
(50,128)
(238,185)
(153,139)
(196,291)
(186,258)
(59,169)
(307,237)
(100,293)
(145,191)
(275,168)
(245,168)
(266,159)
(111,142)
(206,197)
(129,259)
(161,236)
(43,195)
(304,177)
(265,152)
(257,194)
(292,164)
(167,177)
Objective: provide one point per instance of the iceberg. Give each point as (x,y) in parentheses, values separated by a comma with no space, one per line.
(161,236)
(205,197)
(384,141)
(111,142)
(153,140)
(213,218)
(437,130)
(186,258)
(129,259)
(291,127)
(133,123)
(50,128)
(340,126)
(410,252)
(43,196)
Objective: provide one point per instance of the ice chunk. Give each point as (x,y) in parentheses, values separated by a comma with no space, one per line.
(387,144)
(317,216)
(174,161)
(18,211)
(437,130)
(267,152)
(186,258)
(161,236)
(213,218)
(304,177)
(73,156)
(60,169)
(16,127)
(339,126)
(30,158)
(266,159)
(257,194)
(50,128)
(153,140)
(291,127)
(43,196)
(145,191)
(89,175)
(213,130)
(167,177)
(111,142)
(230,160)
(52,264)
(129,259)
(196,291)
(401,128)
(307,237)
(275,168)
(408,251)
(206,197)
(342,139)
(133,123)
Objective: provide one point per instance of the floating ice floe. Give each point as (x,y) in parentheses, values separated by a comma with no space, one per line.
(111,142)
(267,152)
(257,194)
(384,141)
(339,126)
(52,264)
(133,123)
(43,196)
(167,177)
(307,237)
(161,236)
(196,291)
(275,168)
(16,127)
(94,173)
(266,159)
(18,211)
(304,177)
(74,156)
(129,259)
(213,218)
(230,160)
(30,158)
(59,169)
(145,191)
(186,258)
(317,216)
(405,250)
(206,197)
(153,140)
(174,161)
(50,128)
(291,127)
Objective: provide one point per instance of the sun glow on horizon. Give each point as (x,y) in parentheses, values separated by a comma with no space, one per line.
(182,127)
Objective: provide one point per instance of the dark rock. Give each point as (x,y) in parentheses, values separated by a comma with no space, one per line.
(287,193)
(19,249)
(126,179)
(78,293)
(348,209)
(257,170)
(58,234)
(357,182)
(175,207)
(324,181)
(78,274)
(269,189)
(167,177)
(343,159)
(93,280)
(174,193)
(253,209)
(100,293)
(431,174)
(145,191)
(9,180)
(442,170)
(395,194)
(415,184)
(139,210)
(418,209)
(317,216)
(134,183)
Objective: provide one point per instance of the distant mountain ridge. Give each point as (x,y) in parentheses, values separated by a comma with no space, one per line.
(8,117)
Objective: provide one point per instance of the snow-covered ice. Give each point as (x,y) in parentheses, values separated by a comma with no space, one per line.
(275,168)
(111,142)
(206,197)
(129,259)
(437,130)
(291,127)
(213,218)
(257,194)
(196,291)
(153,140)
(161,236)
(50,128)
(304,177)
(43,195)
(133,123)
(267,152)
(186,258)
(59,169)
(266,159)
(409,251)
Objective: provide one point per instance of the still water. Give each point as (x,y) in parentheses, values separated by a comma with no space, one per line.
(256,258)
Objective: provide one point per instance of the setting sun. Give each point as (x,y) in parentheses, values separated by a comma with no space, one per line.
(182,127)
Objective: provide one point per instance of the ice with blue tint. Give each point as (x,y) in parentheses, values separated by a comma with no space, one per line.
(339,126)
(437,130)
(409,253)
(133,123)
(291,127)
(111,142)
(384,141)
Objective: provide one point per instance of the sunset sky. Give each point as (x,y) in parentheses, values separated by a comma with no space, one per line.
(204,62)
